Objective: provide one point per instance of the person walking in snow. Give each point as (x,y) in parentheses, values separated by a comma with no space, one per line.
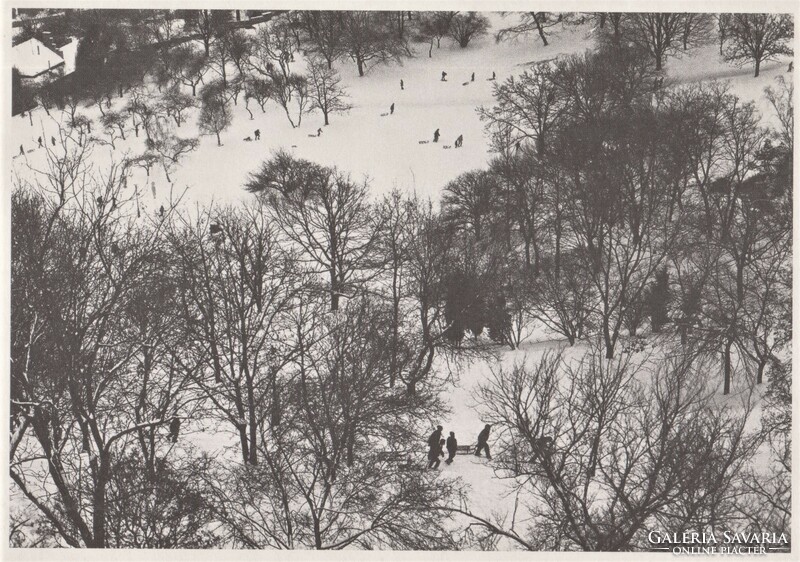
(436,135)
(391,109)
(53,140)
(452,447)
(319,132)
(435,436)
(483,442)
(473,77)
(493,75)
(257,134)
(459,141)
(444,76)
(435,452)
(401,84)
(21,151)
(40,142)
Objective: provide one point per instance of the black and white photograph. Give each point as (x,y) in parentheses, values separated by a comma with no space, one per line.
(328,278)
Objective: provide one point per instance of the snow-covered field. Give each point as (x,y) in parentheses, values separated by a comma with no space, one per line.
(386,149)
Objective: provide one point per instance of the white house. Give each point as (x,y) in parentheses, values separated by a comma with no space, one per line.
(34,59)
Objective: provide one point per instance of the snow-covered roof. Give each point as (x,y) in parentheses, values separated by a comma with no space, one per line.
(34,57)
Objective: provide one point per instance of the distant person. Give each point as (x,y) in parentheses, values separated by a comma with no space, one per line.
(40,142)
(257,134)
(401,84)
(452,447)
(436,135)
(483,442)
(136,130)
(434,453)
(391,109)
(319,131)
(791,66)
(161,212)
(493,75)
(21,151)
(459,141)
(444,76)
(53,140)
(473,77)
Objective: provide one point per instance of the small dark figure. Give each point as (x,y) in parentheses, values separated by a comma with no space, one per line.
(459,141)
(248,139)
(99,201)
(136,130)
(319,132)
(436,135)
(161,212)
(518,146)
(89,127)
(483,438)
(435,452)
(115,249)
(452,447)
(791,66)
(21,151)
(214,228)
(401,84)
(493,75)
(40,142)
(391,109)
(174,429)
(53,140)
(258,134)
(444,76)
(473,77)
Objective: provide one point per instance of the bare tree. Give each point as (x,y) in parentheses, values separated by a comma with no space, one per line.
(326,93)
(324,34)
(215,111)
(326,215)
(238,288)
(532,21)
(759,38)
(368,39)
(466,26)
(569,429)
(659,33)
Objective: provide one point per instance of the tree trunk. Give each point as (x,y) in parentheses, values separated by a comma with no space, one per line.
(325,113)
(539,28)
(219,142)
(99,501)
(243,439)
(726,359)
(758,68)
(360,66)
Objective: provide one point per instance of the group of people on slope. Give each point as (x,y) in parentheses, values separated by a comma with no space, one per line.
(437,446)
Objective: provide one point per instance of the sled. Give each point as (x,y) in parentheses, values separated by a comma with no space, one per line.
(464,449)
(384,114)
(447,146)
(465,84)
(424,142)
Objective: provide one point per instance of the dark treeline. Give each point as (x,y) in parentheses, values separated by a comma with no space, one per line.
(317,326)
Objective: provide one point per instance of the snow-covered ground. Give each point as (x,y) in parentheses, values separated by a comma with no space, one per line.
(386,149)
